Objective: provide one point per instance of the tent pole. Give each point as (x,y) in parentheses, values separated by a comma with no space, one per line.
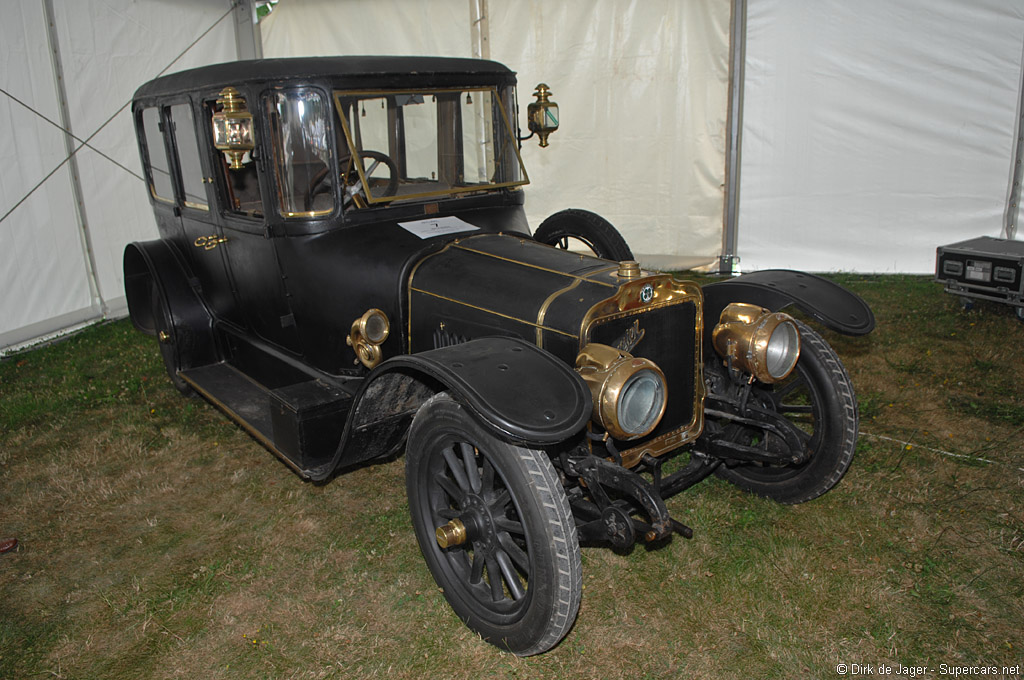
(1012,214)
(728,262)
(53,39)
(248,40)
(479,35)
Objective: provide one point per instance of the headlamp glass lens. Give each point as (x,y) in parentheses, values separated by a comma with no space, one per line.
(640,402)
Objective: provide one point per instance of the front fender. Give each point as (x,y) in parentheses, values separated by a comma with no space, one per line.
(513,388)
(829,303)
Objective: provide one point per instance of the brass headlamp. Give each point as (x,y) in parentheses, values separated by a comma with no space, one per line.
(759,342)
(629,393)
(542,115)
(233,127)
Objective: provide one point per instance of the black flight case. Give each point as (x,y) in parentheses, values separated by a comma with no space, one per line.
(983,268)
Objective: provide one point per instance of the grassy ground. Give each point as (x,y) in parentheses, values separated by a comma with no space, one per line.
(158,540)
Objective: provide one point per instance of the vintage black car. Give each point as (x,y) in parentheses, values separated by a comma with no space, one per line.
(345,269)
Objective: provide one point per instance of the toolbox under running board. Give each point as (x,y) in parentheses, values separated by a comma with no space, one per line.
(302,423)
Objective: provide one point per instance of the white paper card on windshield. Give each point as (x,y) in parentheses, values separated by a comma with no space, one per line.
(437,226)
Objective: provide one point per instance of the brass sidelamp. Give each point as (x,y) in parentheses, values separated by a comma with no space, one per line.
(367,334)
(542,115)
(233,127)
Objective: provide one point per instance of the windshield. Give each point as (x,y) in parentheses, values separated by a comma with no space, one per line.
(415,144)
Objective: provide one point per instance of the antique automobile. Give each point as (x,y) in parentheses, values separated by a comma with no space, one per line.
(345,268)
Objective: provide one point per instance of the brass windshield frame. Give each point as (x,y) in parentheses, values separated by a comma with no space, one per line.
(356,156)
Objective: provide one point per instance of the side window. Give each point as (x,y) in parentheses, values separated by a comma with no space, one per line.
(159,166)
(300,134)
(192,180)
(242,186)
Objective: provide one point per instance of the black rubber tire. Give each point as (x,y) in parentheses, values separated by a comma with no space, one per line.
(819,396)
(590,229)
(520,529)
(167,339)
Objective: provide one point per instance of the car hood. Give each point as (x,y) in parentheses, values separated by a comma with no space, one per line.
(495,284)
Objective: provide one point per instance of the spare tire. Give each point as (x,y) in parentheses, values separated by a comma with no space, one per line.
(567,228)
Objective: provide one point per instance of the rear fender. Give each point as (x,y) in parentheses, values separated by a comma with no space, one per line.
(156,263)
(776,289)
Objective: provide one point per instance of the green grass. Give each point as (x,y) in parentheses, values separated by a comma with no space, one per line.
(159,540)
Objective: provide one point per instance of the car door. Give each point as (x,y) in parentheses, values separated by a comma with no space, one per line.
(245,241)
(201,234)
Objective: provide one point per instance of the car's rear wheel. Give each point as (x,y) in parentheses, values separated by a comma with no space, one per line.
(495,528)
(582,230)
(818,399)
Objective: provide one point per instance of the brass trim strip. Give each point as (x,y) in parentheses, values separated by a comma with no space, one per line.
(538,267)
(543,311)
(439,192)
(603,270)
(307,213)
(489,311)
(412,276)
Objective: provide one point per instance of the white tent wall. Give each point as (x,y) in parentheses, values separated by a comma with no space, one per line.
(315,28)
(107,49)
(872,133)
(44,283)
(875,131)
(641,88)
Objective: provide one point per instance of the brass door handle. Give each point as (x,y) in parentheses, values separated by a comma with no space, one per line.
(210,242)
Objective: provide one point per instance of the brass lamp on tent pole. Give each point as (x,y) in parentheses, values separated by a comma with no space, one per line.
(233,127)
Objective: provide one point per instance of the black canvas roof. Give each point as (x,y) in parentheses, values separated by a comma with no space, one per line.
(348,71)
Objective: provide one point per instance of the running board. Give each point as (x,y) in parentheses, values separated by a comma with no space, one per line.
(302,423)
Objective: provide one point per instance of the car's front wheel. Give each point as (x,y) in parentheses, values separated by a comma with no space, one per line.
(495,528)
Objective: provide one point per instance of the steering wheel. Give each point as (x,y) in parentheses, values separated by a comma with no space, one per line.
(353,186)
(320,184)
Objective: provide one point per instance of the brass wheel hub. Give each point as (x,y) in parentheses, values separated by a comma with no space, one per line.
(474,525)
(451,534)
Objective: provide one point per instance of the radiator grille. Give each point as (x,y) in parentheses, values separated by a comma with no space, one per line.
(671,339)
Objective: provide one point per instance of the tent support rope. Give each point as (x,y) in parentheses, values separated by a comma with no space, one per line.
(84,143)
